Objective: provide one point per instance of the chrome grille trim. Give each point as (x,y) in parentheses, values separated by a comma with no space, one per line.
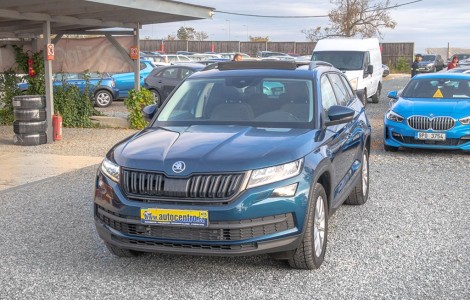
(428,123)
(150,186)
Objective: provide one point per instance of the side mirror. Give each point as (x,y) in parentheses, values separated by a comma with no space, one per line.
(338,114)
(370,69)
(149,112)
(393,95)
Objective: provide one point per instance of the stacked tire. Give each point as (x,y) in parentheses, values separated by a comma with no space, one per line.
(30,123)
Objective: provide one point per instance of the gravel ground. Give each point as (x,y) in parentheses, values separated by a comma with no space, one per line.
(411,240)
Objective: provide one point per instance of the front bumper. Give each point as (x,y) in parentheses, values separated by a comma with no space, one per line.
(251,224)
(401,135)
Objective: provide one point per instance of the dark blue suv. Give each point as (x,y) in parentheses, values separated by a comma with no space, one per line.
(247,158)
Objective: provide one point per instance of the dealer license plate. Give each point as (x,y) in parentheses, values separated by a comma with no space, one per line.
(174,217)
(431,136)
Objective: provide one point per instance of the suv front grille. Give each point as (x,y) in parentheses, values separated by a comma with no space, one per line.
(211,188)
(426,123)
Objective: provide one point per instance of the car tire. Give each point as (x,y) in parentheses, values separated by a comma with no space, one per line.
(364,98)
(20,127)
(376,97)
(32,139)
(311,251)
(103,98)
(360,192)
(29,102)
(390,148)
(156,97)
(121,252)
(29,114)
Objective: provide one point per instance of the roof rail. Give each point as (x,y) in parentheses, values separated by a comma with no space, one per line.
(318,63)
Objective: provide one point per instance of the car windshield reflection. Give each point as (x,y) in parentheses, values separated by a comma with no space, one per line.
(245,100)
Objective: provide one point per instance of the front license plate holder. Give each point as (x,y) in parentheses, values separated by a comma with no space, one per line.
(175,217)
(431,136)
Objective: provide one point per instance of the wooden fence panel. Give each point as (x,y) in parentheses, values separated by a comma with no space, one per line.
(391,52)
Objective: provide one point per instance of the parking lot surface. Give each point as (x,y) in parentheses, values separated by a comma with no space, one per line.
(411,240)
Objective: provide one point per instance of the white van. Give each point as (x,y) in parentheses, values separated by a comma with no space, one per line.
(359,59)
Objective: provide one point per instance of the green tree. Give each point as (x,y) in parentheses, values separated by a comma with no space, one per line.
(354,18)
(186,33)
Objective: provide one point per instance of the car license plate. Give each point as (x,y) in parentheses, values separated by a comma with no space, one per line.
(174,217)
(432,136)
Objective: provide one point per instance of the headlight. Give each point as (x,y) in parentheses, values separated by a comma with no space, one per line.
(276,173)
(393,116)
(110,169)
(429,65)
(465,121)
(353,83)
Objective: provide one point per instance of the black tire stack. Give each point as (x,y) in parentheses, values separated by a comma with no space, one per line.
(30,123)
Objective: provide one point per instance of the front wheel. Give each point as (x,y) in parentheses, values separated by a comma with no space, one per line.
(364,98)
(360,192)
(311,251)
(375,98)
(103,98)
(156,97)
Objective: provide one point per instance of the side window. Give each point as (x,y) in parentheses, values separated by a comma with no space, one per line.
(185,73)
(142,66)
(328,97)
(170,73)
(366,60)
(340,90)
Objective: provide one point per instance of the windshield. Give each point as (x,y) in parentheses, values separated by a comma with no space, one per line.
(252,101)
(343,60)
(437,88)
(429,57)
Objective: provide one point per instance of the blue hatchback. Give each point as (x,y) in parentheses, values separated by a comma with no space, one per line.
(125,81)
(102,87)
(225,168)
(432,112)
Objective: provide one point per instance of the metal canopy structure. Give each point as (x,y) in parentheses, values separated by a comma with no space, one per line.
(32,18)
(24,18)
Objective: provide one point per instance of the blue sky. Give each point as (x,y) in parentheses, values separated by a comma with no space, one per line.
(429,23)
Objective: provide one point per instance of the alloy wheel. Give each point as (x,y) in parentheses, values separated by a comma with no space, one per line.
(365,174)
(319,224)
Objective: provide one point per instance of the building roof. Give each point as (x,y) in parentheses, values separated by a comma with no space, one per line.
(25,18)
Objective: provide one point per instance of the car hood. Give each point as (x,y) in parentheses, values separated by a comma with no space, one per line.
(456,108)
(206,148)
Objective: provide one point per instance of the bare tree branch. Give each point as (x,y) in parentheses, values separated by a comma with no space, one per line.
(351,18)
